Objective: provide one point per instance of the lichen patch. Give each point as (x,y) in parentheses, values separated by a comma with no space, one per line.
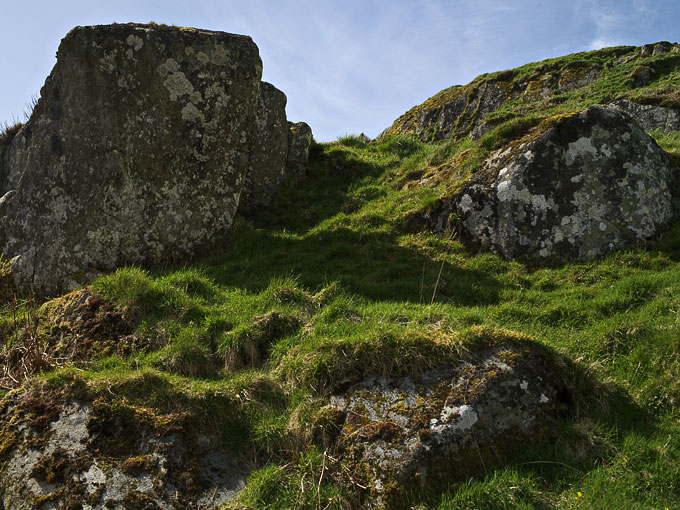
(399,431)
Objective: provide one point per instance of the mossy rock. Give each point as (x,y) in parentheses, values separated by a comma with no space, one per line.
(401,434)
(577,186)
(108,452)
(139,145)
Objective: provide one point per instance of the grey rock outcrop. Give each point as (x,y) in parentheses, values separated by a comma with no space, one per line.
(452,113)
(414,432)
(646,50)
(268,150)
(137,152)
(662,47)
(299,143)
(462,111)
(650,116)
(575,188)
(72,454)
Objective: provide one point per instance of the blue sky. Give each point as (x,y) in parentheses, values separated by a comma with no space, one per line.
(346,66)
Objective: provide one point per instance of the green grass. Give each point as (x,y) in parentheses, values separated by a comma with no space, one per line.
(334,282)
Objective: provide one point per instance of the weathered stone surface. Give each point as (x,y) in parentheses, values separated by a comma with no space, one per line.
(135,153)
(659,48)
(646,50)
(299,143)
(650,116)
(408,432)
(462,111)
(574,188)
(61,455)
(268,149)
(662,47)
(573,78)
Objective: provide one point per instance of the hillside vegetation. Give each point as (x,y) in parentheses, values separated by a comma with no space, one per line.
(338,280)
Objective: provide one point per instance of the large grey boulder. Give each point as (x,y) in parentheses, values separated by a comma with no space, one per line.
(135,153)
(576,187)
(445,425)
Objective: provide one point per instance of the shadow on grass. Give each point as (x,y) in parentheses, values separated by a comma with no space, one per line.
(301,204)
(373,266)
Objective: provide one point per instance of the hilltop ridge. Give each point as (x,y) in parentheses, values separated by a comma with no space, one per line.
(643,75)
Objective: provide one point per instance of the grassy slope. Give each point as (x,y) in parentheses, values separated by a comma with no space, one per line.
(618,69)
(333,282)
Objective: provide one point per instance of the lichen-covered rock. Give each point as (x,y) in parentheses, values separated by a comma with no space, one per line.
(646,50)
(575,77)
(414,432)
(299,143)
(268,149)
(650,116)
(94,455)
(462,111)
(135,153)
(576,187)
(662,47)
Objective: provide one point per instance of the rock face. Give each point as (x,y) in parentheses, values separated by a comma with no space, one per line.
(461,111)
(87,455)
(269,149)
(650,116)
(299,143)
(575,188)
(452,113)
(137,152)
(409,432)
